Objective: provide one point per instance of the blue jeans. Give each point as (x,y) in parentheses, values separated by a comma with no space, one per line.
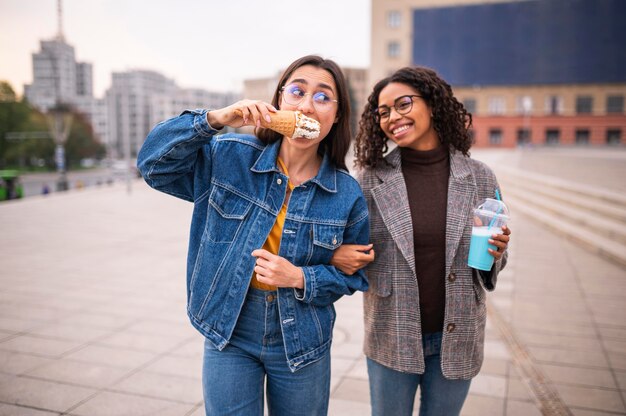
(233,378)
(393,392)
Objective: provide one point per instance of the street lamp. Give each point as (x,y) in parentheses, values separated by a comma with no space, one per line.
(60,121)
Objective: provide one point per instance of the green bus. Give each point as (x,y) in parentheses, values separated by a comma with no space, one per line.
(10,185)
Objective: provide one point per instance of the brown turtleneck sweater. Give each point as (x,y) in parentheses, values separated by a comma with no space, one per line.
(426,175)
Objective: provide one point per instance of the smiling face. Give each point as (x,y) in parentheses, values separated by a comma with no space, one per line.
(312,83)
(415,129)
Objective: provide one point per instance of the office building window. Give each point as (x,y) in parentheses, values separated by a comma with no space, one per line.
(554,104)
(495,136)
(582,136)
(584,104)
(496,105)
(523,136)
(553,136)
(615,104)
(470,105)
(394,19)
(614,136)
(393,49)
(524,104)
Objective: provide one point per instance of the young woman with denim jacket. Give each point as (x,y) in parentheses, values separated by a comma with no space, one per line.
(425,310)
(268,213)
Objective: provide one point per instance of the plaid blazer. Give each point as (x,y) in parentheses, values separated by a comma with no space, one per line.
(393,335)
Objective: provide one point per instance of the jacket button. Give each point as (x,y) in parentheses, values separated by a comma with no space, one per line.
(279,181)
(452,277)
(451,327)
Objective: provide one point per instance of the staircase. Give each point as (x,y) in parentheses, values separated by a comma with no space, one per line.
(592,217)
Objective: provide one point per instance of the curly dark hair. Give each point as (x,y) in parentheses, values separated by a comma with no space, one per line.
(451,120)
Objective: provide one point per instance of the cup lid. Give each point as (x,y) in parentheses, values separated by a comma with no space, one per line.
(490,207)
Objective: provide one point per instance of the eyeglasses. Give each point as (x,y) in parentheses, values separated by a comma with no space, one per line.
(402,105)
(293,94)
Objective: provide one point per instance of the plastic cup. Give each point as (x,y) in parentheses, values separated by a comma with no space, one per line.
(489,217)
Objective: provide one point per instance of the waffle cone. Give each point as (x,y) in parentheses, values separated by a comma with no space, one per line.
(283,122)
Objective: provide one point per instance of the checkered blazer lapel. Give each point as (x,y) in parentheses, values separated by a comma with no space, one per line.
(461,200)
(393,204)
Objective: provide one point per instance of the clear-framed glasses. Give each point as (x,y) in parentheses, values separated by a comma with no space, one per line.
(402,105)
(293,94)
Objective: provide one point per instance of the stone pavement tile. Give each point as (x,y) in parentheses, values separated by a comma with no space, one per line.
(543,339)
(568,374)
(12,324)
(42,394)
(339,370)
(563,356)
(177,366)
(608,332)
(488,385)
(496,350)
(359,371)
(351,389)
(37,345)
(518,390)
(576,411)
(522,323)
(69,332)
(476,405)
(520,408)
(591,398)
(11,410)
(98,320)
(160,327)
(193,348)
(345,350)
(621,379)
(618,360)
(168,387)
(16,363)
(80,373)
(199,411)
(615,346)
(119,404)
(338,407)
(494,366)
(609,319)
(140,342)
(111,356)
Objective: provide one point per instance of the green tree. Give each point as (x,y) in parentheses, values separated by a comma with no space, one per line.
(81,143)
(7,93)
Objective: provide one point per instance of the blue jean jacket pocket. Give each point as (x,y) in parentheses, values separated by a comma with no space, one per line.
(227,211)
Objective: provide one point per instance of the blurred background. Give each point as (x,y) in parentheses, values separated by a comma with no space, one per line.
(92,290)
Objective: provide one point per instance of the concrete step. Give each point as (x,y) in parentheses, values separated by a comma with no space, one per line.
(602,246)
(593,221)
(606,203)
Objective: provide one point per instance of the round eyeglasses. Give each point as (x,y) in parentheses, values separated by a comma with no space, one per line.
(293,94)
(402,105)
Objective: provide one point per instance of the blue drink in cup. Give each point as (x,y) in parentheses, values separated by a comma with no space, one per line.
(489,217)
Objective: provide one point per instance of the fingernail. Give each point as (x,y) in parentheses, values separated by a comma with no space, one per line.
(268,118)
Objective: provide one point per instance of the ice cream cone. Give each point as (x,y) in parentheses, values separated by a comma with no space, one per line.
(291,124)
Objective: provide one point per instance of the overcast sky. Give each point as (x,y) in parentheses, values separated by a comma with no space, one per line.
(210,44)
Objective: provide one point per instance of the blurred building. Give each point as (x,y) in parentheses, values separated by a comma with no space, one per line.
(541,72)
(165,106)
(59,79)
(129,101)
(263,89)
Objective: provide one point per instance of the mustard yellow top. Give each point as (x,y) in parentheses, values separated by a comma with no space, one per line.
(272,244)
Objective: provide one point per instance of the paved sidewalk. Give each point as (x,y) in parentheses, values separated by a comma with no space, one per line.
(93,322)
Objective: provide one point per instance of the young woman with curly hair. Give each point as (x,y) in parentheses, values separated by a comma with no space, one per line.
(425,309)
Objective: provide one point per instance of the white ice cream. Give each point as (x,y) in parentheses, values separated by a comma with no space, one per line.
(306,127)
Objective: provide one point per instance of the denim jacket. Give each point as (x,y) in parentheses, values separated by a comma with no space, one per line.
(237,190)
